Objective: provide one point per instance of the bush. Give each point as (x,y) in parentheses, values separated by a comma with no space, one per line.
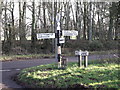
(85,45)
(110,44)
(19,51)
(45,46)
(6,47)
(96,45)
(77,45)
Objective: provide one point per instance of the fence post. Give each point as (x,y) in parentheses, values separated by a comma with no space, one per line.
(79,60)
(86,61)
(82,55)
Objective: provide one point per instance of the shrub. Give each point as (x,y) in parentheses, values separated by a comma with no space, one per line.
(78,44)
(110,44)
(19,51)
(96,45)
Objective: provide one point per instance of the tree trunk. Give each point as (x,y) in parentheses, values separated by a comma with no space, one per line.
(45,27)
(0,27)
(9,41)
(22,14)
(99,24)
(110,23)
(33,32)
(44,18)
(67,16)
(84,20)
(52,25)
(20,26)
(77,25)
(74,23)
(13,27)
(90,23)
(93,23)
(117,22)
(55,13)
(23,23)
(55,26)
(6,25)
(67,20)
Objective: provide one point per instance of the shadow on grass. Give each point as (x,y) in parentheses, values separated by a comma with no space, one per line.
(82,80)
(90,77)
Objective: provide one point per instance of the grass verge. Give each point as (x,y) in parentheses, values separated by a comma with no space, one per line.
(38,56)
(25,57)
(97,75)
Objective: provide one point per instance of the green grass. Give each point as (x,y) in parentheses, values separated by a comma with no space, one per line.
(22,57)
(104,52)
(35,56)
(96,75)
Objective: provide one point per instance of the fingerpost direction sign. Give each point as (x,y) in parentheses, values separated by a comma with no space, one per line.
(45,35)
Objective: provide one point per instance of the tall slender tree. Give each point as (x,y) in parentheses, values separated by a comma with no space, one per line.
(22,18)
(33,31)
(111,23)
(117,21)
(1,3)
(89,33)
(84,20)
(6,26)
(13,27)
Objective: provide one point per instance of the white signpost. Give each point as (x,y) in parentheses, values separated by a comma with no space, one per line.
(69,33)
(59,38)
(83,54)
(45,35)
(62,40)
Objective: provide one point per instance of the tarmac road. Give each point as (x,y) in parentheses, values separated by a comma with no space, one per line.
(10,68)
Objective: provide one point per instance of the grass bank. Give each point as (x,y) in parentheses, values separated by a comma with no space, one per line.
(38,56)
(99,74)
(25,57)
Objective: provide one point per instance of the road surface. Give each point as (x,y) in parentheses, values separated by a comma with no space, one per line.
(10,68)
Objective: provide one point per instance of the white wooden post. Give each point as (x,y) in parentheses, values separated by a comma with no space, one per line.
(79,59)
(83,54)
(59,57)
(86,59)
(59,39)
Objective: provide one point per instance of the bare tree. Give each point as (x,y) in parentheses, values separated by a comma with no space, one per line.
(84,20)
(110,31)
(78,23)
(90,22)
(1,3)
(117,21)
(5,26)
(13,27)
(33,31)
(22,25)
